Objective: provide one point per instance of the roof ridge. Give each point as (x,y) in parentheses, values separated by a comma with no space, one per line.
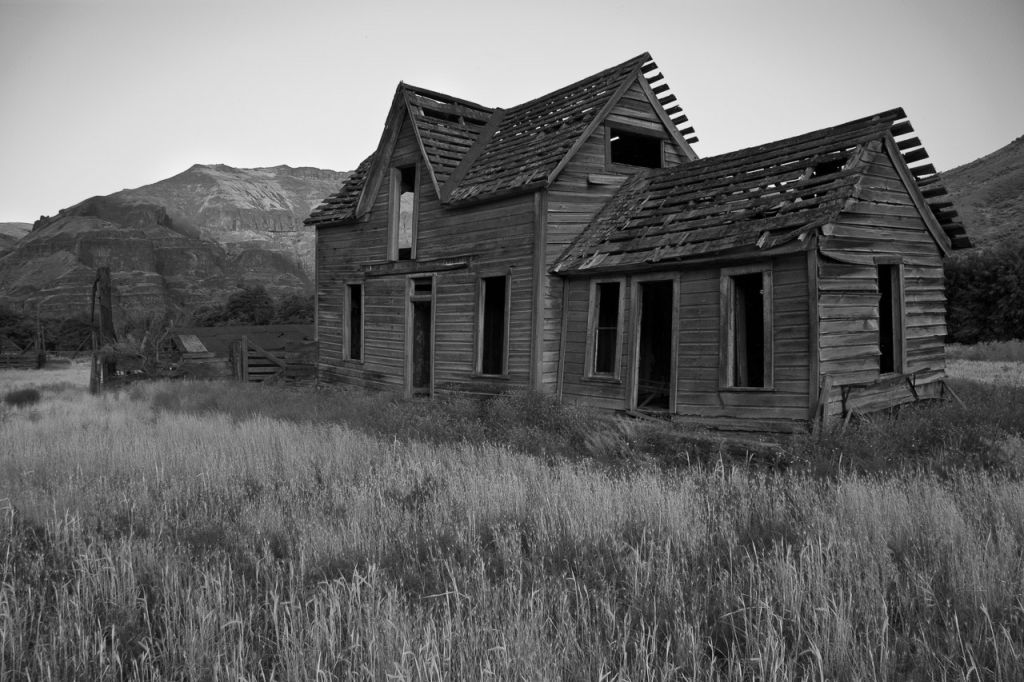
(640,60)
(886,118)
(434,94)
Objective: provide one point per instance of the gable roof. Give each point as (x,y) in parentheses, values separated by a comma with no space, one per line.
(473,152)
(755,200)
(340,207)
(534,138)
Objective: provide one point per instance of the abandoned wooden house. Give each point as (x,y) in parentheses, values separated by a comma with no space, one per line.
(576,245)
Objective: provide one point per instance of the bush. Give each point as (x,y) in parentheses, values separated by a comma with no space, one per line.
(254,306)
(22,397)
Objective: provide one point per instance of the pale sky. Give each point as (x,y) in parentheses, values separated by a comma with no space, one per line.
(100,95)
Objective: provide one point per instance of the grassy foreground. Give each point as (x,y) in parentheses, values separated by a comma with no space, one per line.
(196,531)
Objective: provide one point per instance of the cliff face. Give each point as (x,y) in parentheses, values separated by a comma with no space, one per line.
(174,244)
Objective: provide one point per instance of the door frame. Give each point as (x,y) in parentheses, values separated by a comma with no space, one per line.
(636,319)
(412,297)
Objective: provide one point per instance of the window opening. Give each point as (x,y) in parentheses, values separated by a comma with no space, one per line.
(355,322)
(654,348)
(606,329)
(422,285)
(890,325)
(404,220)
(634,149)
(493,325)
(748,339)
(441,115)
(828,167)
(421,346)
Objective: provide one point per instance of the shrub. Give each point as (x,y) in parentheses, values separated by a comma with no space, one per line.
(22,397)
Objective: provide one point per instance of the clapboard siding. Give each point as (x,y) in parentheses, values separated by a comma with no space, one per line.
(882,222)
(698,396)
(488,240)
(576,197)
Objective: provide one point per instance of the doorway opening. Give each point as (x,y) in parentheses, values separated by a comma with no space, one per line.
(421,302)
(654,346)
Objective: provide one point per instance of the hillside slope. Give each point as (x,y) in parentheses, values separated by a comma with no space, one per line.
(174,244)
(989,195)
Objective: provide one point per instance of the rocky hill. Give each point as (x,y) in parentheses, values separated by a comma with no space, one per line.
(10,233)
(989,195)
(174,244)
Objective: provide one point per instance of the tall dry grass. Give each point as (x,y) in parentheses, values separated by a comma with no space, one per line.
(143,540)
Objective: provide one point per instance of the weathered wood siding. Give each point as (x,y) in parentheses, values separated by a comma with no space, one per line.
(575,198)
(492,239)
(883,223)
(698,395)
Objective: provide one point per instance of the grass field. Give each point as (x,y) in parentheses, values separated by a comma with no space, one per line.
(210,531)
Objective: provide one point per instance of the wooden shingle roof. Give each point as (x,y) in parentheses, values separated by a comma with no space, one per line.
(446,128)
(532,139)
(340,207)
(752,200)
(473,152)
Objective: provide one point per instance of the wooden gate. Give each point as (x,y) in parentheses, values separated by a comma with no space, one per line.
(256,364)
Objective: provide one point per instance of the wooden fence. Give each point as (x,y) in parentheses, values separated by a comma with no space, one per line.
(294,362)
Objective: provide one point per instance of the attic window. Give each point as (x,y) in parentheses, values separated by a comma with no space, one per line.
(634,149)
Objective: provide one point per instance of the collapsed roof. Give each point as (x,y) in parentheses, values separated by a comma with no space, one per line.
(755,200)
(474,153)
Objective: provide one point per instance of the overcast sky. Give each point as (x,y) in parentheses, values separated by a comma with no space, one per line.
(99,95)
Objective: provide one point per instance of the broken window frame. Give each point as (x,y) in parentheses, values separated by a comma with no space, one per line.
(890,271)
(594,330)
(483,317)
(728,328)
(350,290)
(395,251)
(616,130)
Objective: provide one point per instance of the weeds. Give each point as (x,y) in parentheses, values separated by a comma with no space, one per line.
(167,532)
(991,351)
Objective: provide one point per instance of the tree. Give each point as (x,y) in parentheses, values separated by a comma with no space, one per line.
(17,327)
(251,305)
(985,295)
(295,309)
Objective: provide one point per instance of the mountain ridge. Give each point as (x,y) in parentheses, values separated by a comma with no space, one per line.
(175,243)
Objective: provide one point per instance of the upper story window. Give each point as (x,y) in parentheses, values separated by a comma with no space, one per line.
(403,212)
(634,149)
